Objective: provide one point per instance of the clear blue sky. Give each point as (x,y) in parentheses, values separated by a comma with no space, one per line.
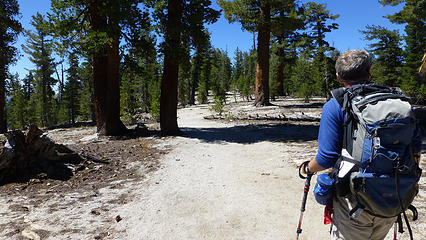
(354,16)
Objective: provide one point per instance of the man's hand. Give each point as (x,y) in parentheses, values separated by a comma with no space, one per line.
(305,168)
(312,167)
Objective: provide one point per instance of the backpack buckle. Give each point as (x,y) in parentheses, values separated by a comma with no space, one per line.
(376,142)
(400,168)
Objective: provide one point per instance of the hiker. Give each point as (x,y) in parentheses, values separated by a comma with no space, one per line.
(352,69)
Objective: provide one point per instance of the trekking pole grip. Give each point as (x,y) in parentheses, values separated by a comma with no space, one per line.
(303,166)
(307,184)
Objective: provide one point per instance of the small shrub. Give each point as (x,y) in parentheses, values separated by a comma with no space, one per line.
(218,106)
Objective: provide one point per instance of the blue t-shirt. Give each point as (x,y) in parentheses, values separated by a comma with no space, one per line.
(330,136)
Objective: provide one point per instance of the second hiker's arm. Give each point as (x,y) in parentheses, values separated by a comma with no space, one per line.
(313,166)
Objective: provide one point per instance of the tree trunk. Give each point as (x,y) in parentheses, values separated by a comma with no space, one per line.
(262,64)
(106,78)
(169,81)
(43,83)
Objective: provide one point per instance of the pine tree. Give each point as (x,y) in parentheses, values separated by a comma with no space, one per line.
(254,16)
(317,18)
(154,90)
(220,74)
(39,47)
(204,82)
(274,82)
(248,77)
(184,79)
(332,58)
(262,17)
(139,72)
(388,54)
(413,15)
(284,34)
(304,79)
(28,88)
(285,50)
(196,65)
(16,104)
(100,24)
(202,46)
(237,71)
(9,30)
(87,106)
(72,90)
(178,19)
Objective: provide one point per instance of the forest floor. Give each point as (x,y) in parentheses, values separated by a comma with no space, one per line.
(221,179)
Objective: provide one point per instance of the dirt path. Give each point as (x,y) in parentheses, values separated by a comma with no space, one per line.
(219,180)
(222,181)
(228,181)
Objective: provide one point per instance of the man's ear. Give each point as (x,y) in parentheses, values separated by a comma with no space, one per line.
(338,78)
(369,75)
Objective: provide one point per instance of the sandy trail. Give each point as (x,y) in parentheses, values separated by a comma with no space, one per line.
(227,181)
(222,181)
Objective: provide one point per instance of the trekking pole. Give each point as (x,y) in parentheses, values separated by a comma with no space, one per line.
(395,234)
(305,196)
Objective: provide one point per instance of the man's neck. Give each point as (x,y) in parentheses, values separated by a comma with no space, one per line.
(351,84)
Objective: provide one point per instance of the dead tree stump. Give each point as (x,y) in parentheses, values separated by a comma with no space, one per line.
(25,156)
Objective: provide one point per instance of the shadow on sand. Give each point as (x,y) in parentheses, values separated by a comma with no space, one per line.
(306,105)
(246,134)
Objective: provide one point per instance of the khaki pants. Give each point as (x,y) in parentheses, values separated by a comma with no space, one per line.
(366,226)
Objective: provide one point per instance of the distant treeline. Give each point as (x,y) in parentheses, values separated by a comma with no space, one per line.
(116,60)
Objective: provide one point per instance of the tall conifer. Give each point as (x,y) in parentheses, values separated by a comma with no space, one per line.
(10,27)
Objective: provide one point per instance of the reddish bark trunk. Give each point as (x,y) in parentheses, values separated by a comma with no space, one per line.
(262,64)
(106,78)
(169,81)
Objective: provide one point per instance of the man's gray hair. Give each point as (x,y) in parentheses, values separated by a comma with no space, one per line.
(353,66)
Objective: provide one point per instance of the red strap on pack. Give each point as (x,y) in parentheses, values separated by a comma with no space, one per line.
(328,212)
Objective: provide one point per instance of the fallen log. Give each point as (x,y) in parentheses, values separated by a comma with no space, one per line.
(24,156)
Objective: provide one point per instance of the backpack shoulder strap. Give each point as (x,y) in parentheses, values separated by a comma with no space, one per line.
(338,94)
(343,97)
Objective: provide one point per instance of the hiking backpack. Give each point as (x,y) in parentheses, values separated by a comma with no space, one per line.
(378,132)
